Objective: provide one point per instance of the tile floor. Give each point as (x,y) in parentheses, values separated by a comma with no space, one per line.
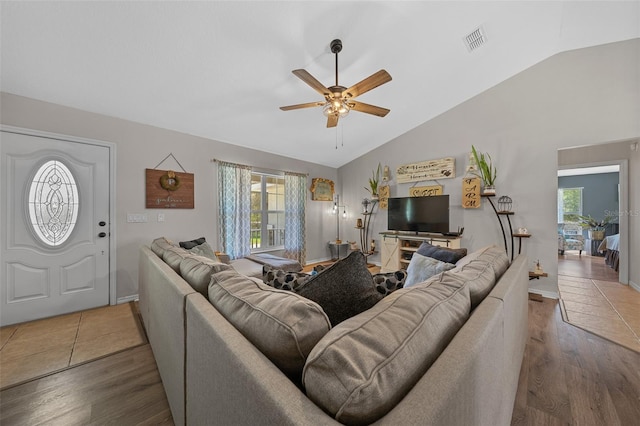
(606,308)
(38,348)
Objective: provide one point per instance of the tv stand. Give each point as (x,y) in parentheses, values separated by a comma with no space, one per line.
(397,248)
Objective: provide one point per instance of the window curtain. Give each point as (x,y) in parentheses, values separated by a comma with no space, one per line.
(295,204)
(234,209)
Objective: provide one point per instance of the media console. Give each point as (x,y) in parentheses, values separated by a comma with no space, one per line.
(397,248)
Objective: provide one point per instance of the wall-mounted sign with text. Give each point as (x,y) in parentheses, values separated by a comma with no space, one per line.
(471,192)
(444,168)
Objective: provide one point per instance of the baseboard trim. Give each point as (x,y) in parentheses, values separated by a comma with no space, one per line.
(634,286)
(545,293)
(127,299)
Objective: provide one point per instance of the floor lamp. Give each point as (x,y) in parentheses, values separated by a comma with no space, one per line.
(336,207)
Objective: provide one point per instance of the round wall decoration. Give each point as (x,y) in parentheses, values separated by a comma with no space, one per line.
(170,181)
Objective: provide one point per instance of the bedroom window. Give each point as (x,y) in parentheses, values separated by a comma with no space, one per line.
(569,204)
(267,211)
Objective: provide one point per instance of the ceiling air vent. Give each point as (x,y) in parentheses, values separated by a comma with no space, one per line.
(475,39)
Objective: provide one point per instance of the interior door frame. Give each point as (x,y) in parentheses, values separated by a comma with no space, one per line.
(113,296)
(623,219)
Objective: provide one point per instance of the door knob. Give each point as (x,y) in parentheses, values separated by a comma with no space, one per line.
(102,235)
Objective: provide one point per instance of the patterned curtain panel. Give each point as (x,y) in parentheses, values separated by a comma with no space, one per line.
(295,204)
(234,204)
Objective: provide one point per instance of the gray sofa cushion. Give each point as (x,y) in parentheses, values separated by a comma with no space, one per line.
(494,255)
(173,256)
(363,367)
(444,254)
(281,324)
(197,271)
(159,245)
(344,289)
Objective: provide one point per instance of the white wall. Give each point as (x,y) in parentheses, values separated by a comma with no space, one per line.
(140,147)
(582,97)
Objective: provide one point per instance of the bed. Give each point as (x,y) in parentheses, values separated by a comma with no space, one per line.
(610,246)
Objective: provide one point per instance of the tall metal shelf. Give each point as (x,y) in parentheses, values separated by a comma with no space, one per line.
(512,235)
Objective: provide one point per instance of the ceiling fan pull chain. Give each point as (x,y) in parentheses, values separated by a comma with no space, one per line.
(336,138)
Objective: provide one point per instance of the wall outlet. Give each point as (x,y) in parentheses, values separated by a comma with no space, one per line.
(160,217)
(137,218)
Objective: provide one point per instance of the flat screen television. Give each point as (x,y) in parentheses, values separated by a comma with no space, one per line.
(419,214)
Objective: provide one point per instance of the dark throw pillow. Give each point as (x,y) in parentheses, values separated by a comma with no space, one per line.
(444,254)
(191,244)
(344,289)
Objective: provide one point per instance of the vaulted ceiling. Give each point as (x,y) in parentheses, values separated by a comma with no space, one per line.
(221,70)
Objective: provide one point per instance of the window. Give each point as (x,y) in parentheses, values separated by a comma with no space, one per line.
(267,211)
(569,204)
(53,203)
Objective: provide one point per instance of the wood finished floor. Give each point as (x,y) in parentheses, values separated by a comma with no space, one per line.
(592,298)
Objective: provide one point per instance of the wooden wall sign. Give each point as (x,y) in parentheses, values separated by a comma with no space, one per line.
(471,192)
(444,168)
(425,191)
(166,189)
(321,189)
(383,196)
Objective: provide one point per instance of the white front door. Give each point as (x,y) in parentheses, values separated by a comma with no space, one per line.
(54,219)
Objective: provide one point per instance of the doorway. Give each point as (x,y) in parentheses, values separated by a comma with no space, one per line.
(57,251)
(621,190)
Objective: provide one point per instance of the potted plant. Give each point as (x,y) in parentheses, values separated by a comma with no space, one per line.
(486,170)
(374,180)
(595,227)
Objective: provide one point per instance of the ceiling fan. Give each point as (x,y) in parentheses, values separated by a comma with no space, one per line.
(338,99)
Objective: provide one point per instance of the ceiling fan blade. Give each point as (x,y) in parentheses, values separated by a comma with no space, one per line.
(298,106)
(311,81)
(369,109)
(332,120)
(367,84)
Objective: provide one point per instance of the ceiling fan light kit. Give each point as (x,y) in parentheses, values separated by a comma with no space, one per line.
(339,100)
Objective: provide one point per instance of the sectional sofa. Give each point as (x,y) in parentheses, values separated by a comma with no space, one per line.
(399,362)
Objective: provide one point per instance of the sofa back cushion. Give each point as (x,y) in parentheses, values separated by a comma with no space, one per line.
(493,255)
(173,256)
(283,325)
(159,245)
(197,271)
(364,366)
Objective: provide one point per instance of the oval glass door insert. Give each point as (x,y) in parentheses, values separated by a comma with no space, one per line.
(53,203)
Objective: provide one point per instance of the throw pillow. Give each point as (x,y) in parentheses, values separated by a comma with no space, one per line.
(283,280)
(444,254)
(389,282)
(344,289)
(283,325)
(205,250)
(421,268)
(191,244)
(363,367)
